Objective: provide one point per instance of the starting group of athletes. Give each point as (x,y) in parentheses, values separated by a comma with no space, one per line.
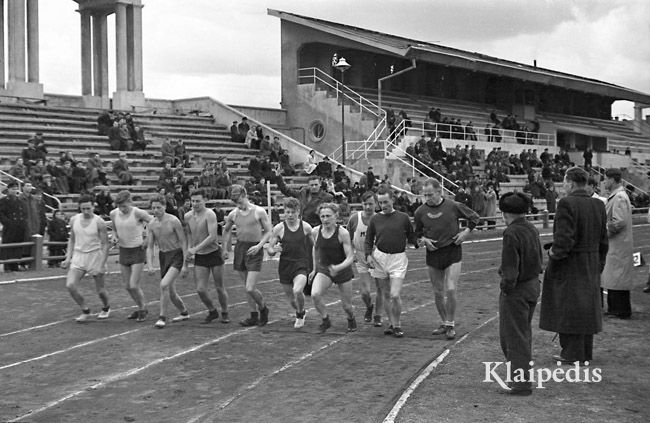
(311,259)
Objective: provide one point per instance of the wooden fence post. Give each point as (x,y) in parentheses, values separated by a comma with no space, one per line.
(545,219)
(37,253)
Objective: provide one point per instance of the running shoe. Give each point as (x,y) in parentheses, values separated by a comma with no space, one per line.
(397,332)
(389,330)
(352,325)
(264,316)
(368,316)
(134,315)
(377,321)
(300,319)
(183,316)
(451,333)
(212,315)
(325,324)
(224,317)
(440,331)
(251,321)
(104,313)
(162,320)
(142,315)
(83,317)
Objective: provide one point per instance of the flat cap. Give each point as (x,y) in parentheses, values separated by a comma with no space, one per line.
(514,202)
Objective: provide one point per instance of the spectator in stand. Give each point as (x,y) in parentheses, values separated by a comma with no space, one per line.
(166,173)
(59,180)
(260,136)
(35,215)
(490,205)
(276,150)
(168,152)
(39,145)
(494,118)
(310,197)
(234,132)
(496,134)
(285,164)
(470,134)
(478,202)
(339,174)
(104,123)
(551,198)
(243,128)
(324,168)
(206,183)
(251,137)
(36,172)
(545,157)
(104,202)
(255,168)
(180,153)
(390,119)
(370,179)
(48,187)
(121,170)
(13,217)
(588,156)
(96,173)
(57,231)
(265,148)
(179,195)
(115,139)
(29,155)
(462,196)
(66,170)
(311,163)
(222,183)
(18,170)
(78,179)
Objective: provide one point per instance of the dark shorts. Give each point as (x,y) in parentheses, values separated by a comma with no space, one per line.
(130,256)
(173,258)
(212,259)
(344,276)
(445,256)
(242,262)
(288,270)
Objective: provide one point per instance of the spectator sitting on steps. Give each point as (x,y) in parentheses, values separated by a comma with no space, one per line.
(18,170)
(310,197)
(121,170)
(311,163)
(324,168)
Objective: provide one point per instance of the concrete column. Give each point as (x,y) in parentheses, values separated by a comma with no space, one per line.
(32,41)
(16,30)
(100,55)
(86,54)
(2,45)
(121,46)
(134,47)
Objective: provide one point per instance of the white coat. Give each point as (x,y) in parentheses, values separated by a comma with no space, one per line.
(619,264)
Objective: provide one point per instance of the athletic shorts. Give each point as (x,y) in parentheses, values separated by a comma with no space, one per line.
(243,262)
(444,257)
(88,262)
(389,265)
(130,256)
(341,277)
(173,258)
(288,270)
(212,259)
(361,264)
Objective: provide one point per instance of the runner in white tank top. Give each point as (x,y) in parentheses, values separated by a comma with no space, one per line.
(357,226)
(87,253)
(128,225)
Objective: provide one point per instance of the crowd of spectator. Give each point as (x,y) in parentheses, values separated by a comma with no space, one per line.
(122,131)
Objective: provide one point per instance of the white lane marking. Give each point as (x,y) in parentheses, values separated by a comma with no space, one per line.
(390,418)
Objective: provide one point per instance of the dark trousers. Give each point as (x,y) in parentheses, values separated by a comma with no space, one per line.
(516,311)
(577,346)
(618,303)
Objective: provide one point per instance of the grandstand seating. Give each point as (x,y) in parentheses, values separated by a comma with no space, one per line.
(75,130)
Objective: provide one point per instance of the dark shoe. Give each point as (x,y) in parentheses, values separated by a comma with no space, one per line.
(212,315)
(264,316)
(134,315)
(562,360)
(142,315)
(325,324)
(451,333)
(224,317)
(352,325)
(389,330)
(440,331)
(368,316)
(251,321)
(377,321)
(397,332)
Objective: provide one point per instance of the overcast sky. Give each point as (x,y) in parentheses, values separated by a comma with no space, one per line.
(230,50)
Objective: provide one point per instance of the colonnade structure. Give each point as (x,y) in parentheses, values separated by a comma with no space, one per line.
(21,56)
(94,53)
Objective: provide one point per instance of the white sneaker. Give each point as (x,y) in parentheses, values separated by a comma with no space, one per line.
(83,317)
(104,314)
(180,318)
(160,323)
(300,320)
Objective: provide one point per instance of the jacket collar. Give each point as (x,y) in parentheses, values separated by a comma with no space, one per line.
(616,191)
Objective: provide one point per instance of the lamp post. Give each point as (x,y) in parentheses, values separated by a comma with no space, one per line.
(342,66)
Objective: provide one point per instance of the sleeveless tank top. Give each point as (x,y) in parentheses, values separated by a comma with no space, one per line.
(359,238)
(86,239)
(295,247)
(329,250)
(248,228)
(129,229)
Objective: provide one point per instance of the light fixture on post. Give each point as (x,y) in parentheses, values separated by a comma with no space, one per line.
(342,66)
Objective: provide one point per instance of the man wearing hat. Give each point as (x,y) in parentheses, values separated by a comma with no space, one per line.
(521,264)
(13,216)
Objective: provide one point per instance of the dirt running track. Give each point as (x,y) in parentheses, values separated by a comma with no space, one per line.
(54,370)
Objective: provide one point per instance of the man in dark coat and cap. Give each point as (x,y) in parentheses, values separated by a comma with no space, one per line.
(521,264)
(571,290)
(13,216)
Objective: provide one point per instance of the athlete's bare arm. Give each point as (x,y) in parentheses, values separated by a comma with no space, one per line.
(180,232)
(150,247)
(227,234)
(276,235)
(71,241)
(211,221)
(103,240)
(264,221)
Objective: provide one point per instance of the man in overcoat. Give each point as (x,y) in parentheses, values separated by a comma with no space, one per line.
(571,289)
(617,277)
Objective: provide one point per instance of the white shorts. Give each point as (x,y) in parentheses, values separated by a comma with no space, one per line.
(88,262)
(360,262)
(389,265)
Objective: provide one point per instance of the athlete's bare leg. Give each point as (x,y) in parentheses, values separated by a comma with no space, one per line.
(222,294)
(319,286)
(201,275)
(254,297)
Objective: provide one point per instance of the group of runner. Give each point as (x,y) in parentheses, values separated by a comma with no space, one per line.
(312,259)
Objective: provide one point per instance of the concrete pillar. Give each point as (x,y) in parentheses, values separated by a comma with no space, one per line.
(32,41)
(16,30)
(86,54)
(134,47)
(121,47)
(100,55)
(2,45)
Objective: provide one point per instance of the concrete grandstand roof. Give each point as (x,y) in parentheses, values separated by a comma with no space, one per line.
(435,53)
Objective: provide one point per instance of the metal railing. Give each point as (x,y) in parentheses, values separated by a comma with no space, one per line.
(358,149)
(315,75)
(599,170)
(21,182)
